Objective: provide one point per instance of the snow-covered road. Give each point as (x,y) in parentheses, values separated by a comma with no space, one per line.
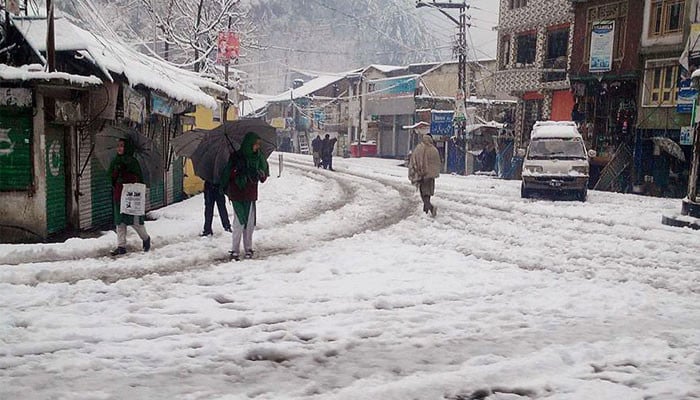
(355,294)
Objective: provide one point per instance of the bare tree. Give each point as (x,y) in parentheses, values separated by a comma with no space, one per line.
(188,29)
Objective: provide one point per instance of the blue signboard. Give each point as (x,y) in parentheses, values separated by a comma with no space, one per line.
(395,87)
(441,123)
(686,97)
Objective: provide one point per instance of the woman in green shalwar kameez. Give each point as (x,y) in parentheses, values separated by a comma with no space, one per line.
(125,169)
(245,169)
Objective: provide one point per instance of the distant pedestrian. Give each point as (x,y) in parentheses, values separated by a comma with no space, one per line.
(327,145)
(125,169)
(316,150)
(214,194)
(245,169)
(423,167)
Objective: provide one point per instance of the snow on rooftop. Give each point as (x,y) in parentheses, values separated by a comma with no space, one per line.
(307,88)
(114,57)
(35,72)
(386,68)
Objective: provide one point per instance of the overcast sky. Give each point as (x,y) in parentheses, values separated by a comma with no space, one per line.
(482,39)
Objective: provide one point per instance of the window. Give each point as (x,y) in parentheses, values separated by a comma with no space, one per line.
(666,17)
(527,46)
(517,4)
(555,62)
(661,83)
(505,52)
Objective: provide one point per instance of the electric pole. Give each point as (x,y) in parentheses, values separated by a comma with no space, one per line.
(50,38)
(461,51)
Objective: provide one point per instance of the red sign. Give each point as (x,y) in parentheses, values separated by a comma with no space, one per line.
(229,46)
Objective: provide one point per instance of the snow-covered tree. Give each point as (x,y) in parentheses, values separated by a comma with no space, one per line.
(188,29)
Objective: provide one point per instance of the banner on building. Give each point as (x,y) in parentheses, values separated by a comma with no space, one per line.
(228,45)
(602,44)
(134,105)
(394,87)
(161,105)
(686,96)
(441,123)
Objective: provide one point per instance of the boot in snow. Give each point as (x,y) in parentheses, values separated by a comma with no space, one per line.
(118,251)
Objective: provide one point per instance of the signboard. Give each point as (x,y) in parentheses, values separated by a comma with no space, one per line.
(228,45)
(394,87)
(602,41)
(685,97)
(441,123)
(17,97)
(161,105)
(687,136)
(279,123)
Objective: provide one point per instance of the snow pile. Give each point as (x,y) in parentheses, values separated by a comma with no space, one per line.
(30,72)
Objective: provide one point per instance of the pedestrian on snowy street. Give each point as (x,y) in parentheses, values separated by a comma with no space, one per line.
(327,146)
(125,169)
(423,167)
(246,167)
(316,150)
(214,194)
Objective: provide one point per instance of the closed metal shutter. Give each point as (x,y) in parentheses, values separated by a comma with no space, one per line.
(55,180)
(85,178)
(16,172)
(101,191)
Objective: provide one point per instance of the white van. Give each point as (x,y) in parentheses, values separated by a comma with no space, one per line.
(556,160)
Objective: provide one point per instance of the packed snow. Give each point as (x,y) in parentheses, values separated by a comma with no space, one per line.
(356,294)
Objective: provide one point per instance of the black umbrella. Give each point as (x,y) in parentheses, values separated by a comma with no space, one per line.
(145,151)
(216,145)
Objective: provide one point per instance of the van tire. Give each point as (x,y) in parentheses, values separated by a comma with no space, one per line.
(582,195)
(525,193)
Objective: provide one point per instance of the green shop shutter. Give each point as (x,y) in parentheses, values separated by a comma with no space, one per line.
(16,172)
(55,180)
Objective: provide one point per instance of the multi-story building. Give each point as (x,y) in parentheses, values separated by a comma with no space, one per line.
(534,49)
(605,81)
(665,96)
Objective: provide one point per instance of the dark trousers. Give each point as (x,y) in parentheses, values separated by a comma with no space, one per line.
(212,195)
(328,162)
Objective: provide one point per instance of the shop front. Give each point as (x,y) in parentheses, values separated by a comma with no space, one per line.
(605,111)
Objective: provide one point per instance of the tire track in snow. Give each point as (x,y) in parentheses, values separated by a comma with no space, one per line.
(178,256)
(533,248)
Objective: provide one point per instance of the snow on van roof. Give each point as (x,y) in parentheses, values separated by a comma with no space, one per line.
(554,129)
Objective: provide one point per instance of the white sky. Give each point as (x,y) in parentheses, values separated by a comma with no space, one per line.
(356,294)
(484,15)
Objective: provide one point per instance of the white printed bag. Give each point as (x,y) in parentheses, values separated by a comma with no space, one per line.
(133,201)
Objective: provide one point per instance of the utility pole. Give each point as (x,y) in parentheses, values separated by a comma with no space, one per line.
(461,52)
(224,110)
(50,37)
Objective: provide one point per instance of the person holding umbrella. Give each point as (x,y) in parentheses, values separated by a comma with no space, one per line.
(246,167)
(125,169)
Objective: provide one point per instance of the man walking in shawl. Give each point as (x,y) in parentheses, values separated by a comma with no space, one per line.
(423,167)
(245,169)
(125,169)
